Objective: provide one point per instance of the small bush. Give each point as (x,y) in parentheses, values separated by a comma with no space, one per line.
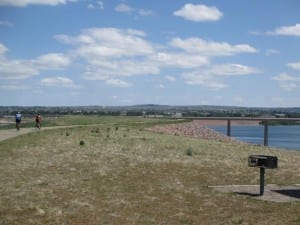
(96,130)
(189,152)
(81,143)
(67,134)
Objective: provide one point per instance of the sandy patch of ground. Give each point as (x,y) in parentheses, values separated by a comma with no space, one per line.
(272,192)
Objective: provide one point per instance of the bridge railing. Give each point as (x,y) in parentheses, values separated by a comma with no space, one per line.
(265,121)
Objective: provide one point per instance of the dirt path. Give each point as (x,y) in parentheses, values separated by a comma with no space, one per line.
(6,134)
(11,133)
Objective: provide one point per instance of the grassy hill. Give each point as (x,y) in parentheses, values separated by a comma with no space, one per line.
(115,171)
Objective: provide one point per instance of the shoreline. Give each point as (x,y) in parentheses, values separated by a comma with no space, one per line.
(193,129)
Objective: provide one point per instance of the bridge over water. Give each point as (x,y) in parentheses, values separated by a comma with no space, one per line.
(265,121)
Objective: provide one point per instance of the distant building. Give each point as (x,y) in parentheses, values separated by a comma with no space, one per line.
(177,114)
(280,115)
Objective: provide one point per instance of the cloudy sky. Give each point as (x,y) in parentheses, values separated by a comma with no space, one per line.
(171,52)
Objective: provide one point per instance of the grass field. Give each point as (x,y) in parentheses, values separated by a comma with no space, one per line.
(118,172)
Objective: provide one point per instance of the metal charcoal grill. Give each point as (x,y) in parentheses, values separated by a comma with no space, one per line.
(263,162)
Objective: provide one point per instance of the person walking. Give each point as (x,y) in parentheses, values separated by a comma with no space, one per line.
(38,120)
(18,118)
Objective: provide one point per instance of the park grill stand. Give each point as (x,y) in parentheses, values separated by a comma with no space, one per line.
(263,162)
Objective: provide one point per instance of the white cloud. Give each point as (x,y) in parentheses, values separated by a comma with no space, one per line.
(124,8)
(22,3)
(213,76)
(285,77)
(287,30)
(13,87)
(288,86)
(231,70)
(211,48)
(287,82)
(145,12)
(16,69)
(110,54)
(179,60)
(170,78)
(3,49)
(270,52)
(198,78)
(108,42)
(96,5)
(107,69)
(58,82)
(52,61)
(295,66)
(199,13)
(118,83)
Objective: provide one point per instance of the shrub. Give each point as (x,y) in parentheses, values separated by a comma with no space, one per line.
(81,143)
(189,152)
(96,130)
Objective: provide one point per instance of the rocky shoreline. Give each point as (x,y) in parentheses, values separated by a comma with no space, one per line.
(193,129)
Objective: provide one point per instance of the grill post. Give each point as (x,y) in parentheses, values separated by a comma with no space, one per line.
(262,181)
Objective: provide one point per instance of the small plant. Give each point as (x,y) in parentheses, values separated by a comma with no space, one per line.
(67,134)
(117,128)
(108,129)
(189,152)
(81,143)
(96,130)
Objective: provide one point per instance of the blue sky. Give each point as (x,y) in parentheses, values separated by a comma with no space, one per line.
(171,52)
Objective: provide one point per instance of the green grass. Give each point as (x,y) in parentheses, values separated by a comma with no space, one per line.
(132,176)
(115,121)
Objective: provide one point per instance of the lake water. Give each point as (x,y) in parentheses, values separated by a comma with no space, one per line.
(287,137)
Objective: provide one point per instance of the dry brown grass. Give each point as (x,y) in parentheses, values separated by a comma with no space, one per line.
(133,176)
